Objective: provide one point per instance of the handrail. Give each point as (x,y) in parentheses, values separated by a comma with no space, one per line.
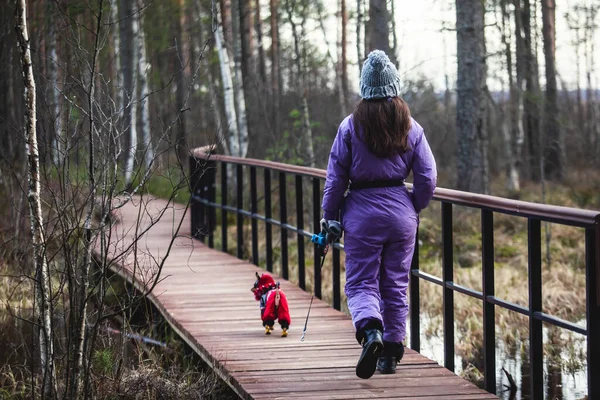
(546,212)
(204,205)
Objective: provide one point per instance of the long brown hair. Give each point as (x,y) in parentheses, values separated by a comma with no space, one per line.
(385,124)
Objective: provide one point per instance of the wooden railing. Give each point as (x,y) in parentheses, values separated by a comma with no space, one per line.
(203,207)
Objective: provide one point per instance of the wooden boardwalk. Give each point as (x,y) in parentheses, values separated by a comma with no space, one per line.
(205,295)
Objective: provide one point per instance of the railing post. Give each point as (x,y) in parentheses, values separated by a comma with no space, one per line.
(202,185)
(283,219)
(210,178)
(223,204)
(489,320)
(254,209)
(300,226)
(196,207)
(536,344)
(448,276)
(592,261)
(316,184)
(415,322)
(240,207)
(268,227)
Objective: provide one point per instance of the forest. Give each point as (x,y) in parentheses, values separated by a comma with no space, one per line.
(104,100)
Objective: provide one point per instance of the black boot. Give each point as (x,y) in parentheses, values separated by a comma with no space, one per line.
(372,343)
(391,356)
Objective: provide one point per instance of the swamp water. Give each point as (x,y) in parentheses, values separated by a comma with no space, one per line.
(564,379)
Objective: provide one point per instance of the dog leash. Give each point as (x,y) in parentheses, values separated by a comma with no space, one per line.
(325,251)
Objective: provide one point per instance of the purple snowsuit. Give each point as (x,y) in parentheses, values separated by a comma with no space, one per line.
(379,224)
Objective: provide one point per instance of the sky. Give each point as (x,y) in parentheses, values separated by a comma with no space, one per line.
(426,50)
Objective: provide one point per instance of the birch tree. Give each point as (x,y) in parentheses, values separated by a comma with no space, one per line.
(116,42)
(74,242)
(128,33)
(233,135)
(142,72)
(238,81)
(42,302)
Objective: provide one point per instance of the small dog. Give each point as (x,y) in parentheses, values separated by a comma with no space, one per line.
(273,303)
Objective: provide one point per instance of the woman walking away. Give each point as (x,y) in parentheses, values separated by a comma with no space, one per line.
(374,151)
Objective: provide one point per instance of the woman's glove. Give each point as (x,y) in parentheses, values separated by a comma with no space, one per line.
(325,224)
(333,229)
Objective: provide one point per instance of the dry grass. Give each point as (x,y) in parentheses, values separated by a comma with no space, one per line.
(152,382)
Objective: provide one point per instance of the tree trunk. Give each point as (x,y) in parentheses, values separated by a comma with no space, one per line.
(128,33)
(533,96)
(227,29)
(262,69)
(43,295)
(199,51)
(509,118)
(143,78)
(246,33)
(301,81)
(471,102)
(181,142)
(394,48)
(592,129)
(554,157)
(520,86)
(339,86)
(184,40)
(275,78)
(114,17)
(359,26)
(58,148)
(238,80)
(81,332)
(233,136)
(248,71)
(308,136)
(345,92)
(337,64)
(579,116)
(379,30)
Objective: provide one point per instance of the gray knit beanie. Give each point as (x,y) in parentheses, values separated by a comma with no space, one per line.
(379,78)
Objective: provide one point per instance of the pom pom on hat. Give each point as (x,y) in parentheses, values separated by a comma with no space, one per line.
(379,77)
(378,60)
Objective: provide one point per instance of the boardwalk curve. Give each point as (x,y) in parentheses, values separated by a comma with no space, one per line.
(219,319)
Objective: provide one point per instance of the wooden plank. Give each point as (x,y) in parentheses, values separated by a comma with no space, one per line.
(425,391)
(220,320)
(410,386)
(341,375)
(360,396)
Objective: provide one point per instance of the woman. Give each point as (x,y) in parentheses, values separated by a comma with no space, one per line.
(375,150)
